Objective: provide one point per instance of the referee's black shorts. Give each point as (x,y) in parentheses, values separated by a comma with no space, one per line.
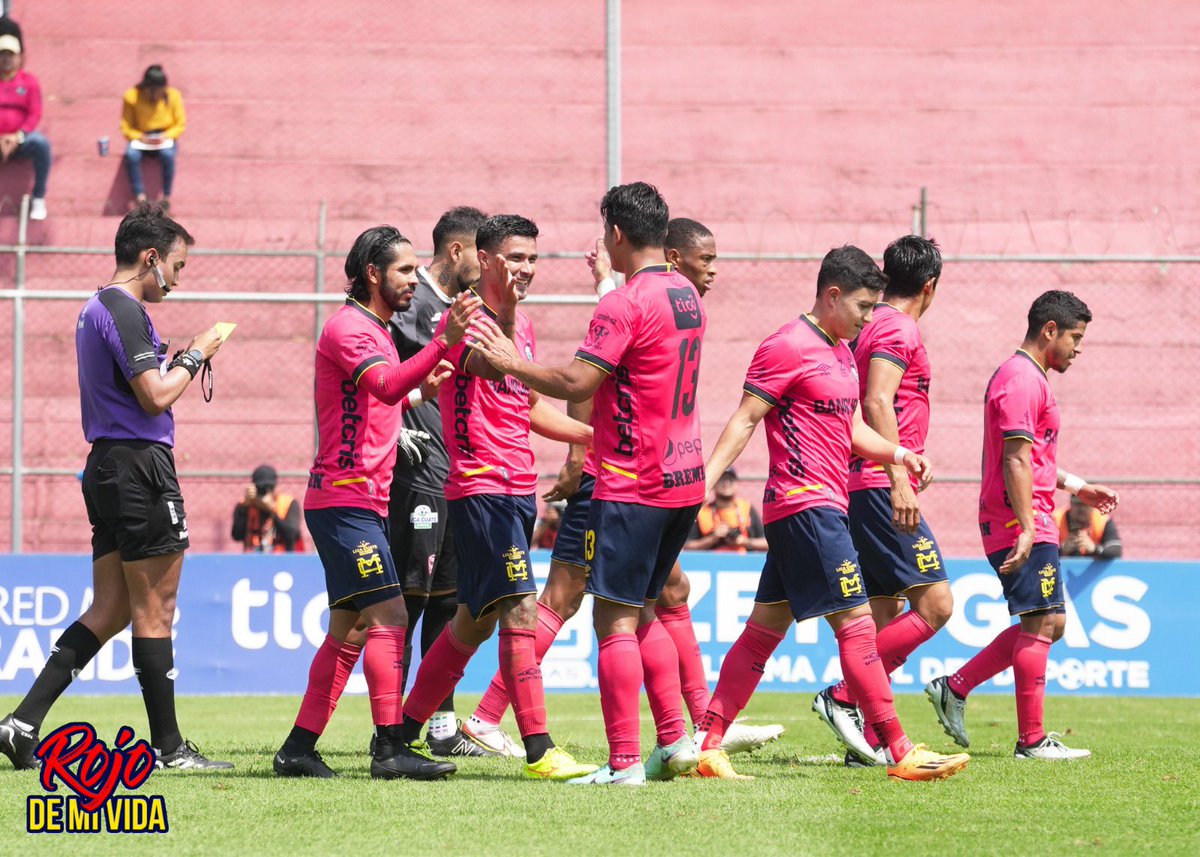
(133,500)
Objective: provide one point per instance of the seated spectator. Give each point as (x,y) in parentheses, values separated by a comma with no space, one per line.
(152,120)
(727,522)
(545,531)
(1084,531)
(20,114)
(266,522)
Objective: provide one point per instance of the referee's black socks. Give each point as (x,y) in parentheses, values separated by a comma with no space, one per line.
(71,653)
(154,663)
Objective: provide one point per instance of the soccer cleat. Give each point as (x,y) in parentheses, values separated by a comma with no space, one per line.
(18,743)
(743,738)
(458,744)
(188,758)
(846,723)
(309,764)
(1051,749)
(407,762)
(558,765)
(496,740)
(852,761)
(634,775)
(716,764)
(921,763)
(677,759)
(951,710)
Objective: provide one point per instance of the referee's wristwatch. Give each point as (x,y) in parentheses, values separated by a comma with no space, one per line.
(190,360)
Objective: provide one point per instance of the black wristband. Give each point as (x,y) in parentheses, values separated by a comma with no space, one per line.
(189,360)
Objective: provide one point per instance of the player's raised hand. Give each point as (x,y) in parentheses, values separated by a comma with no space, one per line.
(461,311)
(599,262)
(920,467)
(511,293)
(1019,555)
(1099,497)
(486,337)
(568,482)
(433,381)
(906,511)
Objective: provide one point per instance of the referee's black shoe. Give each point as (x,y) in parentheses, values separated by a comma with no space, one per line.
(187,757)
(395,761)
(305,764)
(457,744)
(18,743)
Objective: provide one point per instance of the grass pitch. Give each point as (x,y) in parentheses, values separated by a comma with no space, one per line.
(1140,792)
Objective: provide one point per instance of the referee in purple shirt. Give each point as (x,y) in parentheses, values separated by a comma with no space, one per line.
(139,528)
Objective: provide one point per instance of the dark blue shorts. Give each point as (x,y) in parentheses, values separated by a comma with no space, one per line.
(491,539)
(631,548)
(568,546)
(1035,587)
(811,565)
(892,562)
(353,546)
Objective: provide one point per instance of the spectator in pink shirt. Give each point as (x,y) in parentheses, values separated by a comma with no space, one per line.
(20,114)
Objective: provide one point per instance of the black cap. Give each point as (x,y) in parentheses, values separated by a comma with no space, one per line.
(264,474)
(729,473)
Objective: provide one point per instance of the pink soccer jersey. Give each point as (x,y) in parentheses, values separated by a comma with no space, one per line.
(1019,404)
(894,337)
(486,425)
(647,337)
(356,449)
(811,383)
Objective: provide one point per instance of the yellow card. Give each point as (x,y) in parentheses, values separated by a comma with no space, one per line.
(224,328)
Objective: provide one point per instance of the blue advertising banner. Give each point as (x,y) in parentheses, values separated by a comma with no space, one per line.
(250,624)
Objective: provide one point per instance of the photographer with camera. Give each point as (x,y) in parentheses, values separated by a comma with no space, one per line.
(265,521)
(727,522)
(139,527)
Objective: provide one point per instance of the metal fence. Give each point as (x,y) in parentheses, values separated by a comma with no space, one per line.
(1129,413)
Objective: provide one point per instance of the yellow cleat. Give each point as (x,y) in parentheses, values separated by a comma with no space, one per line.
(716,764)
(921,763)
(557,764)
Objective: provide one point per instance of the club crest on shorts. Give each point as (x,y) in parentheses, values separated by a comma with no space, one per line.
(423,518)
(516,566)
(926,555)
(851,581)
(369,561)
(1048,572)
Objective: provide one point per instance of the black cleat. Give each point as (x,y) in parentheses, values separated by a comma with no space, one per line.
(407,761)
(458,744)
(18,744)
(188,758)
(308,764)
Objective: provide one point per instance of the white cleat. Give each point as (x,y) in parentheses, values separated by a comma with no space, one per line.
(1051,749)
(852,761)
(951,710)
(846,723)
(495,740)
(741,737)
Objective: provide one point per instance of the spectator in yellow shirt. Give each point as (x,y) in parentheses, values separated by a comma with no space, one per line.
(152,121)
